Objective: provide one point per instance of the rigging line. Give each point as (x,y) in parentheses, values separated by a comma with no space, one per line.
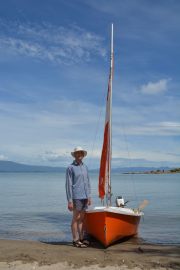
(95,136)
(97,128)
(94,140)
(129,160)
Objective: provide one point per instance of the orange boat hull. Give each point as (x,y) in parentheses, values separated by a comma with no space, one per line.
(108,227)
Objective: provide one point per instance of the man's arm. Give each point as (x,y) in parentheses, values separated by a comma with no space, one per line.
(69,188)
(89,188)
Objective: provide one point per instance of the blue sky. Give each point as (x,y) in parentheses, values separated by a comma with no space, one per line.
(54,65)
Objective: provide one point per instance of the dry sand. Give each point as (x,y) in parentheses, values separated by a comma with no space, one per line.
(26,255)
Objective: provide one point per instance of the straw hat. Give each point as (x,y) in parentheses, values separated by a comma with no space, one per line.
(77,149)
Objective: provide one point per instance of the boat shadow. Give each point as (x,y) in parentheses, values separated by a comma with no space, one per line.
(96,244)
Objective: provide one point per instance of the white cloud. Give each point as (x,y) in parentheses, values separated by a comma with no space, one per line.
(153,88)
(3,157)
(170,124)
(150,129)
(145,158)
(46,134)
(58,120)
(53,43)
(60,155)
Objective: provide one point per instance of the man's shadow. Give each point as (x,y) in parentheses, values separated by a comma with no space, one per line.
(96,244)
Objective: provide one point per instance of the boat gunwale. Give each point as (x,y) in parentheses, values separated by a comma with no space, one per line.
(113,210)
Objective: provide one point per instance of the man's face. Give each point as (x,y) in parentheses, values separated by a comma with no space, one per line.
(79,155)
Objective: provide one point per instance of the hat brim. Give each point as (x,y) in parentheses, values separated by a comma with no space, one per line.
(85,152)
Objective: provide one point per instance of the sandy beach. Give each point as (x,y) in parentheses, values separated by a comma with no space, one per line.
(26,255)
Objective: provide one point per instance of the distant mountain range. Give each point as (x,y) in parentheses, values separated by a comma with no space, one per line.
(10,166)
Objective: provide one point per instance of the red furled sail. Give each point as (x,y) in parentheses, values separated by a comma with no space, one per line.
(105,164)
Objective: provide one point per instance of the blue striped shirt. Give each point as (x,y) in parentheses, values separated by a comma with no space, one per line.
(77,182)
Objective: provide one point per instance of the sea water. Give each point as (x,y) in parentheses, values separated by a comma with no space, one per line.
(33,206)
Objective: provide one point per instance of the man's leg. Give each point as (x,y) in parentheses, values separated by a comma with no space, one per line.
(80,224)
(74,225)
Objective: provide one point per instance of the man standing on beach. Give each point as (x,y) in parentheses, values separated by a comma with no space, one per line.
(78,191)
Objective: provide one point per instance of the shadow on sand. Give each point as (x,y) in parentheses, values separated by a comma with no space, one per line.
(96,244)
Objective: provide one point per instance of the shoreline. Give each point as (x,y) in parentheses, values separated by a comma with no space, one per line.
(153,172)
(129,254)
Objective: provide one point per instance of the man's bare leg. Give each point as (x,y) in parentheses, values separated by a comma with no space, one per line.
(74,225)
(80,224)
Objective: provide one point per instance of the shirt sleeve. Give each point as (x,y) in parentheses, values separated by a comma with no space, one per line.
(89,184)
(69,184)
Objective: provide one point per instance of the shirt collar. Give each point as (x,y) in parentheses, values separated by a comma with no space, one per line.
(76,163)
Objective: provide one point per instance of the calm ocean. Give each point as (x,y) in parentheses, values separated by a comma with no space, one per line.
(33,205)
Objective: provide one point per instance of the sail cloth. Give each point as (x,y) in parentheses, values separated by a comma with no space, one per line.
(105,164)
(105,156)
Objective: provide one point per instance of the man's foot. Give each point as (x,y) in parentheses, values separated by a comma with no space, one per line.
(85,242)
(79,244)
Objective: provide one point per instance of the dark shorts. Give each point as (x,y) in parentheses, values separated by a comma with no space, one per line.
(80,204)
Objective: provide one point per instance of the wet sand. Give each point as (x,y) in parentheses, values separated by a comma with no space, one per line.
(131,254)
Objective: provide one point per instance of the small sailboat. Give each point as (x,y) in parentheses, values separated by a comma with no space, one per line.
(110,223)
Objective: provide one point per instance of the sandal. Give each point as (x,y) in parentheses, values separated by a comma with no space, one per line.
(79,244)
(85,242)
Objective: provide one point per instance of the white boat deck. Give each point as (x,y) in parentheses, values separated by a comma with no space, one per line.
(117,210)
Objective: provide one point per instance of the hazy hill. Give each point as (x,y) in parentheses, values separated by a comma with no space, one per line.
(10,166)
